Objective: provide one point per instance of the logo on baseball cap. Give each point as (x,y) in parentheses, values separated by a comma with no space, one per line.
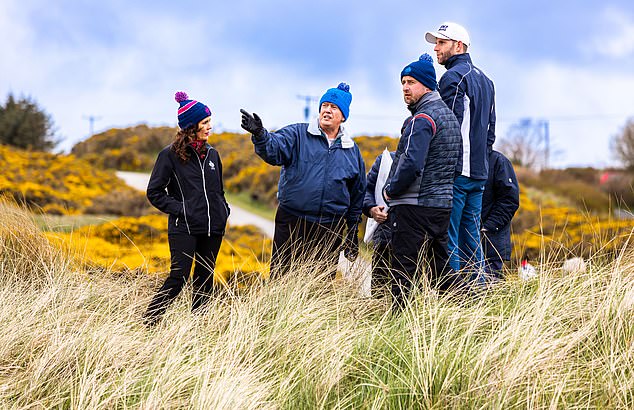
(449,31)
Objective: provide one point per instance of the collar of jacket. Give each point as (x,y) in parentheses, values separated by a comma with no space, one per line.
(346,139)
(457,59)
(207,146)
(427,98)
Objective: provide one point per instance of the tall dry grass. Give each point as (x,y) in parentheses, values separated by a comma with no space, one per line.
(75,340)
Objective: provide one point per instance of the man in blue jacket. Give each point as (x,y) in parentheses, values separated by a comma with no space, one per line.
(499,203)
(321,186)
(419,187)
(469,93)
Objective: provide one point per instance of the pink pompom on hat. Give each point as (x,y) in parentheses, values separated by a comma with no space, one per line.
(191,112)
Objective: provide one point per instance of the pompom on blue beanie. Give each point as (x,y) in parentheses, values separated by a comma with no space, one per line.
(422,70)
(339,96)
(191,112)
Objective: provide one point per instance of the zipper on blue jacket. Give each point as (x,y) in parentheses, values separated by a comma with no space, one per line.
(323,186)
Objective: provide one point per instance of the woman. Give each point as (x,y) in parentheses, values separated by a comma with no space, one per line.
(186,184)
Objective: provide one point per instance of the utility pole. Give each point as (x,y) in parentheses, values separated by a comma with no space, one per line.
(546,142)
(308,99)
(91,123)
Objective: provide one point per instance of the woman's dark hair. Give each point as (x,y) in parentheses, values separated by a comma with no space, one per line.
(182,139)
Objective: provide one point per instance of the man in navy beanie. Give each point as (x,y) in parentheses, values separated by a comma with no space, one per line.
(321,187)
(469,93)
(419,188)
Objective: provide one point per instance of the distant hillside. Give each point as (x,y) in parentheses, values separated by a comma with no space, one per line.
(135,149)
(588,189)
(127,149)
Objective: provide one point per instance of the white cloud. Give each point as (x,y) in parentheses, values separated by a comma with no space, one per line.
(616,37)
(584,108)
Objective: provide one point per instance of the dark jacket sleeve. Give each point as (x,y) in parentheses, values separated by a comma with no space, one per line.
(452,92)
(492,119)
(356,187)
(415,140)
(368,200)
(277,148)
(162,173)
(506,196)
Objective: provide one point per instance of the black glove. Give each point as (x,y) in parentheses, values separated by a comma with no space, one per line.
(252,124)
(351,245)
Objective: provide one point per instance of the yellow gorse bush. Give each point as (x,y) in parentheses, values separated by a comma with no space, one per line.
(132,244)
(542,226)
(54,183)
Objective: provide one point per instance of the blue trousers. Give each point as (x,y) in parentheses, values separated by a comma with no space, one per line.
(464,246)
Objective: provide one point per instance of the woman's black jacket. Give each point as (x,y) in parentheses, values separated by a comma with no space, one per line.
(190,192)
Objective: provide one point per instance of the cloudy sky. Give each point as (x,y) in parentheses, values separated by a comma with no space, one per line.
(570,63)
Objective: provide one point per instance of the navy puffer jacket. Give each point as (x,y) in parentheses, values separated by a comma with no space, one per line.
(424,165)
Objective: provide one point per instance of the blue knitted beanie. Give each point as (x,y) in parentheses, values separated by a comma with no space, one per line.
(191,112)
(339,96)
(422,70)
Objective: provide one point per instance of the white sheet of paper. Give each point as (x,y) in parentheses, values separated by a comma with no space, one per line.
(381,179)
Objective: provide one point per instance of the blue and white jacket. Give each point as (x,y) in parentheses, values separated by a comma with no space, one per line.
(470,94)
(318,182)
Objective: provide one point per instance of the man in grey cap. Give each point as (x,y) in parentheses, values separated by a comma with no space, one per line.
(470,94)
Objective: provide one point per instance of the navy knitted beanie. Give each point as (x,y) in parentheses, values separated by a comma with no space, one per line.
(191,112)
(339,96)
(422,70)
